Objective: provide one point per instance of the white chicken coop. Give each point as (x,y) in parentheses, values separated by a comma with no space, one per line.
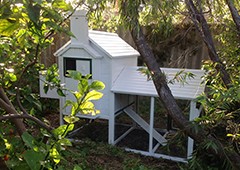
(101,54)
(111,60)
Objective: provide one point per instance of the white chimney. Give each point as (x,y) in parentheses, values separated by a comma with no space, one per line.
(79,27)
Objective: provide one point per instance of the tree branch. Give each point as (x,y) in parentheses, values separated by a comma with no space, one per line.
(13,114)
(204,30)
(4,96)
(235,15)
(26,116)
(9,108)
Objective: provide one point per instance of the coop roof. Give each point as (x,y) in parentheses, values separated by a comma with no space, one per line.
(111,44)
(132,81)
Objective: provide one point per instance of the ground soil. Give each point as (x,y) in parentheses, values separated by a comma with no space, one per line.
(97,131)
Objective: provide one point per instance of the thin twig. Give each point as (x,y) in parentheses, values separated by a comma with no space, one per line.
(26,116)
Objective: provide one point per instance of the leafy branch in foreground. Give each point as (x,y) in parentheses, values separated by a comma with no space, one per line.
(181,76)
(46,152)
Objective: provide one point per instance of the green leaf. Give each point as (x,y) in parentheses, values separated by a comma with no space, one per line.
(38,1)
(8,145)
(93,95)
(32,111)
(28,140)
(5,11)
(238,94)
(75,74)
(8,26)
(70,103)
(80,89)
(145,72)
(45,88)
(13,164)
(76,167)
(87,76)
(55,155)
(61,4)
(65,142)
(12,77)
(33,159)
(74,109)
(62,130)
(60,92)
(84,83)
(37,104)
(77,95)
(33,12)
(6,83)
(97,85)
(21,36)
(71,119)
(60,168)
(87,108)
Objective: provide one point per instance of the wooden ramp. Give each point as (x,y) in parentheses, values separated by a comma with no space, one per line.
(141,122)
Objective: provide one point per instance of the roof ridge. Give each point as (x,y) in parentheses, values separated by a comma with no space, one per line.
(102,32)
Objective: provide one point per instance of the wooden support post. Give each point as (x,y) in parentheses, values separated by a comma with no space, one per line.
(194,113)
(111,122)
(151,126)
(61,111)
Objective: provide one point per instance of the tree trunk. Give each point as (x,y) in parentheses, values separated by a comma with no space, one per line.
(159,79)
(3,165)
(235,15)
(163,90)
(170,104)
(203,28)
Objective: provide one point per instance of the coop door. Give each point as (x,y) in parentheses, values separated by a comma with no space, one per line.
(84,66)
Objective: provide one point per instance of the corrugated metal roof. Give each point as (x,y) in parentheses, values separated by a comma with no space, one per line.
(132,81)
(112,44)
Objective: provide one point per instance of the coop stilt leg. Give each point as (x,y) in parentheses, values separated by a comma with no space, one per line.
(111,123)
(111,130)
(151,126)
(61,112)
(194,113)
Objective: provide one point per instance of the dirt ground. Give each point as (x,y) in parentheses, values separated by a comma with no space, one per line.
(97,131)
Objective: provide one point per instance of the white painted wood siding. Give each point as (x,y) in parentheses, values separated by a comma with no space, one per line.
(119,63)
(76,53)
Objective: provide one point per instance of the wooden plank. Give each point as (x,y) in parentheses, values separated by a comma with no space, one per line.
(157,155)
(141,122)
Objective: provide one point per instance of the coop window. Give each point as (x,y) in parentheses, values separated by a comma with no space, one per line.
(78,64)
